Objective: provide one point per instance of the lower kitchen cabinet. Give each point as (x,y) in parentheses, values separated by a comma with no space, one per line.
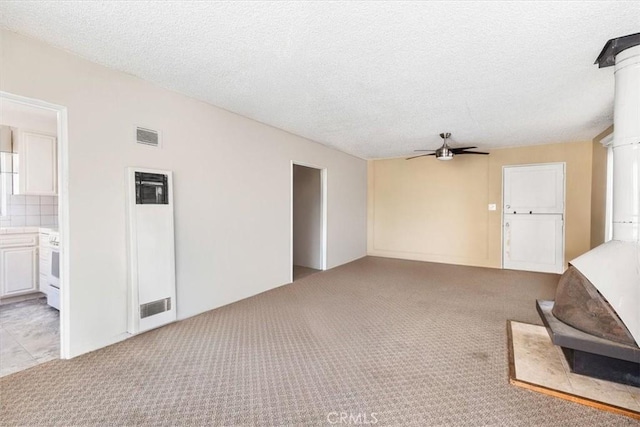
(19,270)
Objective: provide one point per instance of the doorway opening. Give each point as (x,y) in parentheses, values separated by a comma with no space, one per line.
(33,289)
(308,220)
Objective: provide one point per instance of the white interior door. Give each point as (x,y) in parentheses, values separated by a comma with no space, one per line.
(533,217)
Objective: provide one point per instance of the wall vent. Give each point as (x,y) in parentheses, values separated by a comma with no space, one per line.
(155,307)
(147,136)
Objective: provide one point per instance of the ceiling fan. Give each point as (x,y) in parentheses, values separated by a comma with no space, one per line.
(445,152)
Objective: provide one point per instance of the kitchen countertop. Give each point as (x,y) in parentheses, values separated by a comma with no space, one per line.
(34,229)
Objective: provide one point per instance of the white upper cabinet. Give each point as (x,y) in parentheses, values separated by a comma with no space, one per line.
(37,172)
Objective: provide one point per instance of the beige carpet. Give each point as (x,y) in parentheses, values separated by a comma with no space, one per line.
(413,343)
(300,272)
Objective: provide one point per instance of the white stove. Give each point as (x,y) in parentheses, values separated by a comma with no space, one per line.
(53,286)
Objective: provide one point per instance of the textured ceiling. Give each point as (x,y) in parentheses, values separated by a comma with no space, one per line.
(374,79)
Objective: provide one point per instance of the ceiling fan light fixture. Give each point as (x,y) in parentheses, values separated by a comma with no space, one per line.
(444,153)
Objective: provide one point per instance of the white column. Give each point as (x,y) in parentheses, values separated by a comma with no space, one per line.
(626,147)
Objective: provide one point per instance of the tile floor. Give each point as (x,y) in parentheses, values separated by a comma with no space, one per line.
(538,361)
(29,335)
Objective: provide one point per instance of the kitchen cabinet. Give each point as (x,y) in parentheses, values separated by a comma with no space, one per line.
(18,262)
(37,163)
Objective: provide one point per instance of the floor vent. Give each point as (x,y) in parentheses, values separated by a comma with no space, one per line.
(155,307)
(147,137)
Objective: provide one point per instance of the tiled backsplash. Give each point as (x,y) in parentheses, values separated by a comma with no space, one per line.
(30,211)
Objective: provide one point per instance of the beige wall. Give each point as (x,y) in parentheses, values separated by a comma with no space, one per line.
(232,189)
(599,188)
(430,210)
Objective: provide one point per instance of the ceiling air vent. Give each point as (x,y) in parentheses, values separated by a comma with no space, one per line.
(147,136)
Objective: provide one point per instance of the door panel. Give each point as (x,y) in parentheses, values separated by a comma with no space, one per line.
(534,189)
(533,243)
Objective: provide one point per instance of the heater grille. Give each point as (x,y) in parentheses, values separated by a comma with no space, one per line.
(155,307)
(147,137)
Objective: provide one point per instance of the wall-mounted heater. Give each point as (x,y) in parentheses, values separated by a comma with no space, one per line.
(152,286)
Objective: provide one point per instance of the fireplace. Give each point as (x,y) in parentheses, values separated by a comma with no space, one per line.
(595,317)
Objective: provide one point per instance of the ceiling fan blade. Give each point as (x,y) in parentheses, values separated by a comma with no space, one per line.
(472,152)
(423,150)
(457,150)
(421,155)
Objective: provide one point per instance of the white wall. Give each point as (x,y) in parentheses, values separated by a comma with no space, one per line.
(27,117)
(231,185)
(307,217)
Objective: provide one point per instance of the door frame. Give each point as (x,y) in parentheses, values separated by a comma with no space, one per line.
(323,213)
(564,209)
(63,211)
